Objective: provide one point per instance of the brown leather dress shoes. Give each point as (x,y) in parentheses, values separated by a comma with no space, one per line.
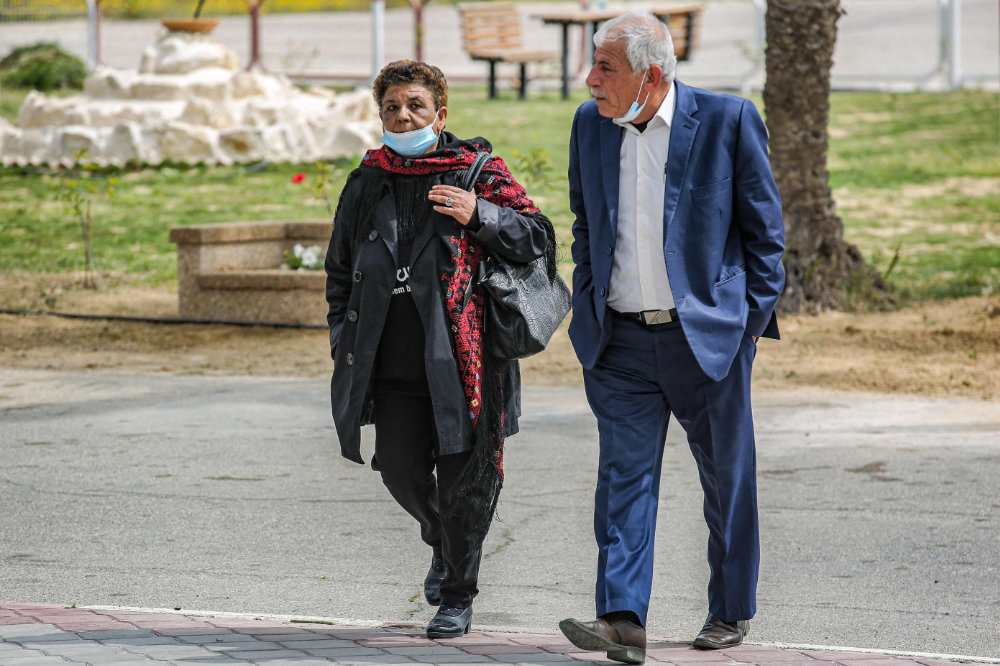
(623,640)
(717,634)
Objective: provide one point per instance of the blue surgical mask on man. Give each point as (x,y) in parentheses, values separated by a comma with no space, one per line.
(636,108)
(412,143)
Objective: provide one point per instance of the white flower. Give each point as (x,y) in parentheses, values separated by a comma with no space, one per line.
(298,250)
(310,256)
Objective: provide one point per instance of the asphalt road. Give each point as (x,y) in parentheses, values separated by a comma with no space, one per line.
(880,522)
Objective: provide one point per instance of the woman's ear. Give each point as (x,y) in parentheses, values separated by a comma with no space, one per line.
(442,117)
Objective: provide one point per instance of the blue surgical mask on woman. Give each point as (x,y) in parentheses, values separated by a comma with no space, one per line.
(412,143)
(636,108)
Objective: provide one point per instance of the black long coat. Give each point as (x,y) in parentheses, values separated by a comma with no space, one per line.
(361,273)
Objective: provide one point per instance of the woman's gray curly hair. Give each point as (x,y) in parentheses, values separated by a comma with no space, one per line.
(647,42)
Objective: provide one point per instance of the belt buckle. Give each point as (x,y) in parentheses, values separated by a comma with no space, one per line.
(653,317)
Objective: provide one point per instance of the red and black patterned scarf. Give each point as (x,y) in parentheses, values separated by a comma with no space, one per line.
(477,491)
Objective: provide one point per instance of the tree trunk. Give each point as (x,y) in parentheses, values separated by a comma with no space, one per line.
(823,271)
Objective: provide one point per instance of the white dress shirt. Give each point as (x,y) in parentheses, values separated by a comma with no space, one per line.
(639,273)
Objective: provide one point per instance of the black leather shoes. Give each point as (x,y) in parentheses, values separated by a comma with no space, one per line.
(717,634)
(450,622)
(622,639)
(432,583)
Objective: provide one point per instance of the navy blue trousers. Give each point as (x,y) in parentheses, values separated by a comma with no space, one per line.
(644,375)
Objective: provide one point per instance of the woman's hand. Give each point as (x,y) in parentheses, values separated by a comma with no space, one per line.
(462,202)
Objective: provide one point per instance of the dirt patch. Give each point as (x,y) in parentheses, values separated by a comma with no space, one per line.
(933,348)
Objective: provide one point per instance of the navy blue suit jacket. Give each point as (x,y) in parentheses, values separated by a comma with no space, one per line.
(723,232)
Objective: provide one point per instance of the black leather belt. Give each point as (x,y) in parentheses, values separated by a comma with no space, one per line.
(648,317)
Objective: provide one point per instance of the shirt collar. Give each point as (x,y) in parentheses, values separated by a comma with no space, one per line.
(664,114)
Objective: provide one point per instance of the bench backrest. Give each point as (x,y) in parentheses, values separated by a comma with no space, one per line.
(490,27)
(684,27)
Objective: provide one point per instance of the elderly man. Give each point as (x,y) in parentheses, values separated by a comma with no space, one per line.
(678,241)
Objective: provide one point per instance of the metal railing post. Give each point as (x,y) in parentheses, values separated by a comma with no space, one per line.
(93,33)
(955,42)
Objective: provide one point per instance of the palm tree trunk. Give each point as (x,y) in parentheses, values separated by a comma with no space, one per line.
(823,271)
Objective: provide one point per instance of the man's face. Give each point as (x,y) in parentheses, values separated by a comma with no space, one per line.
(612,82)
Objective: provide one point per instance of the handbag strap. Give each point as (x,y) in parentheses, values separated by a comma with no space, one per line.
(472,174)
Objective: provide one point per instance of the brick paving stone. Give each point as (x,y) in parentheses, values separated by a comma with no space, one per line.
(327,642)
(375,659)
(140,641)
(412,642)
(496,648)
(35,661)
(263,654)
(177,632)
(451,659)
(472,638)
(685,654)
(297,662)
(423,649)
(17,630)
(252,644)
(113,634)
(16,619)
(170,651)
(533,658)
(294,635)
(337,653)
(588,656)
(206,639)
(875,660)
(355,633)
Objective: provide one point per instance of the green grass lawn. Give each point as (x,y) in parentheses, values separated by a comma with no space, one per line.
(916,178)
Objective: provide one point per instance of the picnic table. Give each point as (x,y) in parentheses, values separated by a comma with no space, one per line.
(683,22)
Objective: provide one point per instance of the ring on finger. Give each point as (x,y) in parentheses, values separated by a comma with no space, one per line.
(448,201)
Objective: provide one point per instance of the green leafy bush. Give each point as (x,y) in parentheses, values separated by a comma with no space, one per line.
(42,66)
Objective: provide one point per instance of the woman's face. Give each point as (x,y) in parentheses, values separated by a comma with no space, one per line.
(410,106)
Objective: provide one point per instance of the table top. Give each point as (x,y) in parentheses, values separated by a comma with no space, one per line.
(599,15)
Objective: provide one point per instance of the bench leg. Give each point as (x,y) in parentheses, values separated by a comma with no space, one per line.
(524,79)
(493,79)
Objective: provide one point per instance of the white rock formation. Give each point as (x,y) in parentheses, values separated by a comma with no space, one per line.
(189,102)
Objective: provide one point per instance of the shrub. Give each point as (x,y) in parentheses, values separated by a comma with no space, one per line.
(42,66)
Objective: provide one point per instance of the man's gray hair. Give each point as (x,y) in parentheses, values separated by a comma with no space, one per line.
(647,41)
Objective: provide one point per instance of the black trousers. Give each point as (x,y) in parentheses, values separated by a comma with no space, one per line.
(406,456)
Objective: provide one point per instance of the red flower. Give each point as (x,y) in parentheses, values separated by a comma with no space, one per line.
(298,178)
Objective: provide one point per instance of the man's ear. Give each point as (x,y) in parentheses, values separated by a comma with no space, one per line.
(655,77)
(442,118)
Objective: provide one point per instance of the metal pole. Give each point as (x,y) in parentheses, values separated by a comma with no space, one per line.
(378,36)
(93,34)
(955,24)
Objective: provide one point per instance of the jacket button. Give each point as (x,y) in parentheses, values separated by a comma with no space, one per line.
(352,315)
(611,251)
(604,292)
(357,276)
(373,235)
(350,359)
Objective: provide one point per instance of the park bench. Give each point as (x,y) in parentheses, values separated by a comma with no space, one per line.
(491,31)
(684,24)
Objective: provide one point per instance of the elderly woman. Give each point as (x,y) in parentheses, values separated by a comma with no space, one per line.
(406,326)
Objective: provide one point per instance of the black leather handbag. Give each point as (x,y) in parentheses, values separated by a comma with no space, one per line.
(525,302)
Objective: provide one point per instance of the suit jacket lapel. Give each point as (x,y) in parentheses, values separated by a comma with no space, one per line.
(610,164)
(682,133)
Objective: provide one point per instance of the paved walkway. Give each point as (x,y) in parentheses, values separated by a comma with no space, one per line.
(53,634)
